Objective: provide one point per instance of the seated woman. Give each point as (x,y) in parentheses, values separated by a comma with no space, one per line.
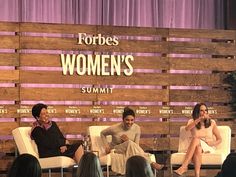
(48,137)
(137,166)
(125,142)
(205,137)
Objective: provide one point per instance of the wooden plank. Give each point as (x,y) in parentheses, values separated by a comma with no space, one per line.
(81,127)
(57,77)
(216,95)
(75,94)
(50,43)
(202,48)
(40,60)
(11,76)
(57,28)
(6,163)
(163,79)
(214,64)
(233,143)
(9,26)
(69,127)
(154,127)
(9,59)
(159,144)
(135,95)
(7,127)
(92,29)
(195,79)
(175,126)
(9,93)
(7,146)
(9,111)
(9,42)
(174,144)
(55,94)
(202,33)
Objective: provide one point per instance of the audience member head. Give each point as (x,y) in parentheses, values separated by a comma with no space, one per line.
(198,110)
(137,166)
(229,166)
(25,165)
(89,166)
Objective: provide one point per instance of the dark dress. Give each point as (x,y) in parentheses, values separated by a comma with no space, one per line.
(50,140)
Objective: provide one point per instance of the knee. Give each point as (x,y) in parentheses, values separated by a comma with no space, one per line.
(196,140)
(198,150)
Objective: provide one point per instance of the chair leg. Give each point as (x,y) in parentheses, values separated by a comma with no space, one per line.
(108,171)
(61,172)
(171,169)
(155,172)
(49,172)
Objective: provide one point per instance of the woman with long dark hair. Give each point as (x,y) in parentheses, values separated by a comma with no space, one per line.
(203,129)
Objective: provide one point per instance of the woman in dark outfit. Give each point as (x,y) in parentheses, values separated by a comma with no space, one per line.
(48,137)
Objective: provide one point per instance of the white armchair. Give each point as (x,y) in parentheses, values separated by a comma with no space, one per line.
(216,158)
(26,145)
(98,146)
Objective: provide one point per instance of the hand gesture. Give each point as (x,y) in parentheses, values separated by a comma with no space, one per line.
(124,138)
(207,116)
(63,149)
(210,143)
(107,149)
(67,142)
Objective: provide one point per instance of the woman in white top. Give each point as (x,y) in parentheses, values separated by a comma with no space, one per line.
(205,137)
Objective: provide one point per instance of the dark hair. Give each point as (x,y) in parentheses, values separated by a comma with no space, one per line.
(137,166)
(89,166)
(229,166)
(25,165)
(37,109)
(196,114)
(127,112)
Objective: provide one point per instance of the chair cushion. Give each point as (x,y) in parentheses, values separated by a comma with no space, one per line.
(207,159)
(55,162)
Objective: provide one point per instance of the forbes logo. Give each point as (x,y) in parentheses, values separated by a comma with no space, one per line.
(97,40)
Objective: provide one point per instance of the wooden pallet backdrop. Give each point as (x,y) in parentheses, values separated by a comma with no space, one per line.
(173,69)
